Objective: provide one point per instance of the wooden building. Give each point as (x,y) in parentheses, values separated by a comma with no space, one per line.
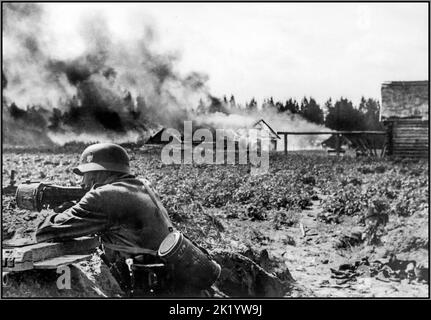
(405,113)
(270,133)
(156,139)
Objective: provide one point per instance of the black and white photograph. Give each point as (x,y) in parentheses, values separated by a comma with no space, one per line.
(215,151)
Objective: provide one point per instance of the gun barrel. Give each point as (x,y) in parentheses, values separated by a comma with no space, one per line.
(56,195)
(37,196)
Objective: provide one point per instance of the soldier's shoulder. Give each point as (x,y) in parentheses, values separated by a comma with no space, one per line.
(126,191)
(120,185)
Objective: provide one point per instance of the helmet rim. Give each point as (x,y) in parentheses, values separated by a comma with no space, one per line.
(106,166)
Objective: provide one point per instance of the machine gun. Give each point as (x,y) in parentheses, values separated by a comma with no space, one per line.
(22,255)
(36,196)
(185,257)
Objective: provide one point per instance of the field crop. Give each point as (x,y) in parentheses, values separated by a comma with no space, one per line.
(229,207)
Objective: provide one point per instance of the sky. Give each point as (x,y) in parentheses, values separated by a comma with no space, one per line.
(277,49)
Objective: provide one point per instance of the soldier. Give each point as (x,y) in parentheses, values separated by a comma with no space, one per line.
(124,212)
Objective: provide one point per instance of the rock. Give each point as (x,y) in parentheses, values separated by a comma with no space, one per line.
(347,241)
(422,274)
(288,240)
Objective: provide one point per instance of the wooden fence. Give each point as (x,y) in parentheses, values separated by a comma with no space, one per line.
(336,133)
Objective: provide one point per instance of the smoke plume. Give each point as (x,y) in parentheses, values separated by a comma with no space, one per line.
(113,90)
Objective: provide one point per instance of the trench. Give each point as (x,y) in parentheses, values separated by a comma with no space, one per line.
(240,277)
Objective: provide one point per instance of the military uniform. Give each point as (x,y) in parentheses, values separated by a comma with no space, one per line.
(128,217)
(124,212)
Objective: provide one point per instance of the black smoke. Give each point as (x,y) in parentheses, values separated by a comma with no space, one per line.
(112,86)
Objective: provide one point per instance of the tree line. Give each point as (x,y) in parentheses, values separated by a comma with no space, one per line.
(339,115)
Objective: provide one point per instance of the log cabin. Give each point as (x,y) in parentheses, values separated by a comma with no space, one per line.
(405,113)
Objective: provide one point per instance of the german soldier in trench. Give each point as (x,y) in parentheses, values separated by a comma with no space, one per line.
(127,216)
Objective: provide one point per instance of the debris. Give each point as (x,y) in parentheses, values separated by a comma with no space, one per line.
(256,213)
(214,220)
(329,217)
(286,218)
(392,271)
(233,215)
(376,219)
(343,281)
(422,274)
(302,229)
(348,241)
(288,240)
(324,283)
(312,234)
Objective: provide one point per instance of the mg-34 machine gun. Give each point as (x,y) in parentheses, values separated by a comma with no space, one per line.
(38,195)
(176,249)
(21,254)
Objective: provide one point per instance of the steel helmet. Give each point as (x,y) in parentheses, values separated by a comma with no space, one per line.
(103,157)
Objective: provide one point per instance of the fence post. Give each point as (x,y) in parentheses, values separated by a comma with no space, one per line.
(337,144)
(285,144)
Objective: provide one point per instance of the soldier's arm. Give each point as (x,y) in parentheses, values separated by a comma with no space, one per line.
(84,218)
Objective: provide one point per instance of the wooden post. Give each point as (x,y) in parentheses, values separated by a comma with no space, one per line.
(12,178)
(285,144)
(337,144)
(389,137)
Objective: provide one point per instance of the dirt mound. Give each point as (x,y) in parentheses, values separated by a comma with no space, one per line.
(242,277)
(87,279)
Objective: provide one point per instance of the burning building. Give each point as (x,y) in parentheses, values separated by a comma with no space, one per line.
(273,137)
(157,137)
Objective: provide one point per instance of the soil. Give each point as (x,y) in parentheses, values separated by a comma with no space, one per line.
(311,251)
(310,258)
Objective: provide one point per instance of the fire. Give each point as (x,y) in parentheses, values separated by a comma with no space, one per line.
(113,89)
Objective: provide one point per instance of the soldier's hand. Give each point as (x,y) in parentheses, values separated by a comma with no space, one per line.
(64,206)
